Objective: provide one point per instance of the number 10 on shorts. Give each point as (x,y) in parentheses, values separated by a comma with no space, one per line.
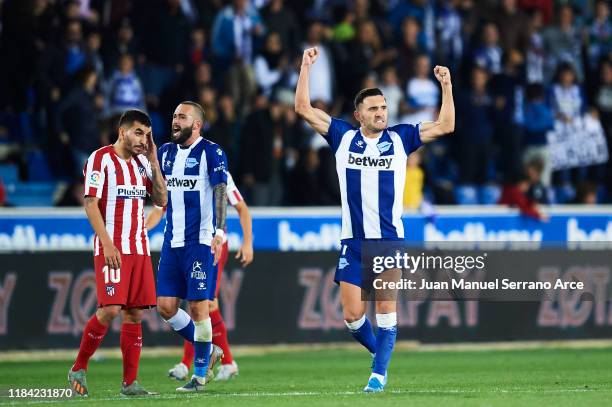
(111,275)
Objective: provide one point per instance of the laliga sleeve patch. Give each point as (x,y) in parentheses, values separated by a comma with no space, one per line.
(94,179)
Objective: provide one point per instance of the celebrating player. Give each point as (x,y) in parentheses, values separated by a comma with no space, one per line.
(228,368)
(196,175)
(117,180)
(371,195)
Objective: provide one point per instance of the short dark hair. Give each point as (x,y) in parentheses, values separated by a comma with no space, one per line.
(134,115)
(364,93)
(196,106)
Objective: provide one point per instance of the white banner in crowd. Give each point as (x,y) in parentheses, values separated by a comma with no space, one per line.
(578,143)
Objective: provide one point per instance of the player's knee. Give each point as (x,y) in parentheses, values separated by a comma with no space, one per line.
(132,315)
(166,311)
(108,313)
(199,310)
(352,314)
(386,307)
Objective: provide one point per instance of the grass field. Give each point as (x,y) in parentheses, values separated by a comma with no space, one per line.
(555,377)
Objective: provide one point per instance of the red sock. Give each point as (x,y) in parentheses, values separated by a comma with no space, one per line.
(220,336)
(188,353)
(131,345)
(92,338)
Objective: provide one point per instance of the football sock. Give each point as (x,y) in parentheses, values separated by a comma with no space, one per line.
(181,322)
(362,332)
(385,340)
(220,336)
(188,353)
(202,346)
(131,344)
(90,341)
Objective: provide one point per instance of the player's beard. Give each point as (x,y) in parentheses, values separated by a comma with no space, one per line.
(183,135)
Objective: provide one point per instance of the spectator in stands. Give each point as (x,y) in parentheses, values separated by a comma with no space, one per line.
(75,54)
(512,25)
(198,51)
(562,43)
(413,187)
(599,35)
(534,57)
(422,93)
(586,193)
(94,57)
(226,129)
(489,54)
(266,136)
(514,194)
(270,65)
(165,37)
(566,98)
(538,191)
(449,49)
(508,94)
(539,120)
(367,53)
(121,42)
(124,88)
(323,70)
(475,129)
(409,49)
(73,195)
(281,19)
(77,117)
(234,33)
(393,94)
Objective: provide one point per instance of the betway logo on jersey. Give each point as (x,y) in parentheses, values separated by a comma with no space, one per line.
(184,183)
(370,162)
(131,191)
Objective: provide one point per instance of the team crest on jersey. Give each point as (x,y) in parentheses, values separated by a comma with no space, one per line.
(168,164)
(384,146)
(359,143)
(191,162)
(110,290)
(219,151)
(142,171)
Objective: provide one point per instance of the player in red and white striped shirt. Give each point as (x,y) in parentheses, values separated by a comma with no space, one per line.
(228,368)
(118,178)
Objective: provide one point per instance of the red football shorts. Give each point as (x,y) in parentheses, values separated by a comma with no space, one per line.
(221,266)
(132,286)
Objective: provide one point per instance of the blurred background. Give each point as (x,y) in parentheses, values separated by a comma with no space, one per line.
(533,90)
(532,86)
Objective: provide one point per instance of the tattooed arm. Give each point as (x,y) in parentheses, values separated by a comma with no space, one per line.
(220,196)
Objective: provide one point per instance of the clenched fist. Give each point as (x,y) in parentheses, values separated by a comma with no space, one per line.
(310,56)
(442,74)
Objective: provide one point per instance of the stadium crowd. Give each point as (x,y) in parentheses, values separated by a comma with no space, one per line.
(69,68)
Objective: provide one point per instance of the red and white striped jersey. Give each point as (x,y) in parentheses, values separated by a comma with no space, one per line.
(122,187)
(233,195)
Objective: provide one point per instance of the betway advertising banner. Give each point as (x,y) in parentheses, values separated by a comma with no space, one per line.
(290,297)
(284,229)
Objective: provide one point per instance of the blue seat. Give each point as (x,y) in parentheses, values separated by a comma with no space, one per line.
(32,194)
(466,195)
(9,173)
(489,194)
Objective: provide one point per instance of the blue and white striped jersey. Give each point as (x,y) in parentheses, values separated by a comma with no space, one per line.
(191,173)
(372,172)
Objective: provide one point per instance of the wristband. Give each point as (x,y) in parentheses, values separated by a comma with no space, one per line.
(219,232)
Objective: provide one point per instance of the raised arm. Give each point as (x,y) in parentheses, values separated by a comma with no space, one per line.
(316,118)
(430,131)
